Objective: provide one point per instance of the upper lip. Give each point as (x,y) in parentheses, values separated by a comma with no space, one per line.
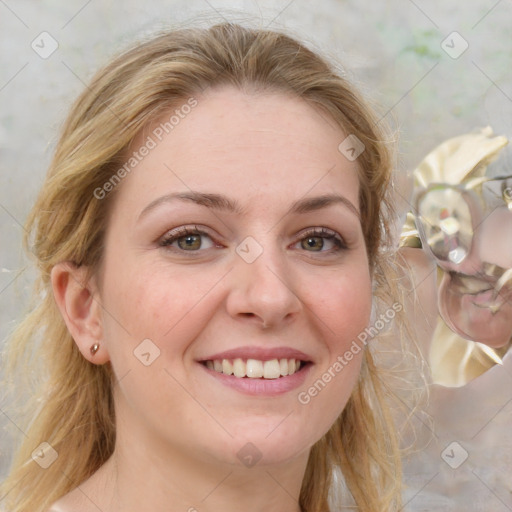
(259,353)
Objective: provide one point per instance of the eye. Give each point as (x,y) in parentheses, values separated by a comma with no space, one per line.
(190,239)
(321,240)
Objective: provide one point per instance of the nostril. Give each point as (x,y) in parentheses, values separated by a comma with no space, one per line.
(247,315)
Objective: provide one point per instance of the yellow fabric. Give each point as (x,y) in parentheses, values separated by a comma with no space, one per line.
(460,158)
(410,236)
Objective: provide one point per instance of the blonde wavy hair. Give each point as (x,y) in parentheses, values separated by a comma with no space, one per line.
(69,400)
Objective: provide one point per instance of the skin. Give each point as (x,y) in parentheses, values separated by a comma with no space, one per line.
(178,428)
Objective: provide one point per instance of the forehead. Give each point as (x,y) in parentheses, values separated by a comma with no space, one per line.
(246,144)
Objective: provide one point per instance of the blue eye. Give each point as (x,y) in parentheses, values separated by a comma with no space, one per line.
(187,239)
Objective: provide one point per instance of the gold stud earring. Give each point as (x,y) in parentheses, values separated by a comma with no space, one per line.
(95,348)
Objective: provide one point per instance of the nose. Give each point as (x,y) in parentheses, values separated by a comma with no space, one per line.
(262,292)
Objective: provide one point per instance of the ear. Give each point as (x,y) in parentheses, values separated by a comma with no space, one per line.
(78,302)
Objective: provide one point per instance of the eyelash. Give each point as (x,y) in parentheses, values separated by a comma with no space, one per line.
(176,234)
(169,238)
(328,234)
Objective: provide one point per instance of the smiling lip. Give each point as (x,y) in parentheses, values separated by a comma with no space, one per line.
(260,353)
(260,386)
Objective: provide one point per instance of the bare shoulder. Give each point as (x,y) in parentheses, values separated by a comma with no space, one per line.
(57,508)
(71,502)
(90,496)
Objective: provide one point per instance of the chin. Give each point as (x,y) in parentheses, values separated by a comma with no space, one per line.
(264,446)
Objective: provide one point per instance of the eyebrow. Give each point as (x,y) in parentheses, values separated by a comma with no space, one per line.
(223,203)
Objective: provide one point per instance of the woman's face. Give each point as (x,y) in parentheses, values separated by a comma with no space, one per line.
(235,245)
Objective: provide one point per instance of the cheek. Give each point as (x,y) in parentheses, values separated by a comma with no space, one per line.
(140,304)
(343,313)
(156,303)
(164,307)
(345,309)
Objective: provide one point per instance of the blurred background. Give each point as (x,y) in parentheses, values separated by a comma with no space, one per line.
(433,69)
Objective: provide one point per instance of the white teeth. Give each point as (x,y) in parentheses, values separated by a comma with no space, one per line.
(239,368)
(271,369)
(254,368)
(227,367)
